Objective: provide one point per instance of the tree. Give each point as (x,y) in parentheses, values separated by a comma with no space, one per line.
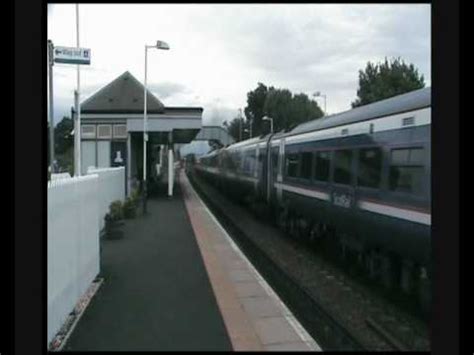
(255,108)
(278,105)
(233,128)
(286,109)
(63,140)
(383,80)
(64,144)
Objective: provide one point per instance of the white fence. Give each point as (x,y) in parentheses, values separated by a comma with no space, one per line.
(76,210)
(111,188)
(60,176)
(73,244)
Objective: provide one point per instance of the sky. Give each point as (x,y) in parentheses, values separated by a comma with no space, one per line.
(219,52)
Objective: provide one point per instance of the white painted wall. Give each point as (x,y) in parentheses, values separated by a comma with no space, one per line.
(73,244)
(111,188)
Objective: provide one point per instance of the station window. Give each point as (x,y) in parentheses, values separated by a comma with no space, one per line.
(104,131)
(88,131)
(342,166)
(406,170)
(322,166)
(120,131)
(306,165)
(370,167)
(292,165)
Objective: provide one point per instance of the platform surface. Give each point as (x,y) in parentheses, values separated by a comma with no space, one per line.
(156,294)
(255,317)
(176,281)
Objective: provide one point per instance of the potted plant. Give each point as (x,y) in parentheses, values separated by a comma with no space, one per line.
(129,208)
(112,219)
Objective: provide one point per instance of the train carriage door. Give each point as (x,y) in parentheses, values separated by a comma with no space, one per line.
(256,168)
(273,170)
(281,160)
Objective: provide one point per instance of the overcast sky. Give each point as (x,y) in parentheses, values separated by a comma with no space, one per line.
(220,52)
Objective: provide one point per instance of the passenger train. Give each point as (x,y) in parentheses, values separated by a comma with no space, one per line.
(359,180)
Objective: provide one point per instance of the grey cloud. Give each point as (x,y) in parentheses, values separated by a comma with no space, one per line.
(301,47)
(168,89)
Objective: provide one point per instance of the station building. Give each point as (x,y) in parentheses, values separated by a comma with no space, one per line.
(112,128)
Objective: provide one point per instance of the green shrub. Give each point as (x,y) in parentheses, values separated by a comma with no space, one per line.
(129,208)
(135,196)
(116,210)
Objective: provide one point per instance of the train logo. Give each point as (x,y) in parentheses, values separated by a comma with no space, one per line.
(342,200)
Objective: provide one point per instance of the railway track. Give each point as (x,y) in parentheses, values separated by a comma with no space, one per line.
(323,327)
(338,313)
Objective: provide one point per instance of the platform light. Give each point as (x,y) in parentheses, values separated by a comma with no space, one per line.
(159,45)
(266,118)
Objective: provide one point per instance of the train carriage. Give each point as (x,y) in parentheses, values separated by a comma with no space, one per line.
(364,174)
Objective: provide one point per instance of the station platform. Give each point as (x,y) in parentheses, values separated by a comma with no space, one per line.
(176,281)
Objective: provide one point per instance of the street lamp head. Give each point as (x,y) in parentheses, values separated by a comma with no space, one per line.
(317,93)
(162,45)
(266,118)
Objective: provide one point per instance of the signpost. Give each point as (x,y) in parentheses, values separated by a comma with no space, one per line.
(65,55)
(72,55)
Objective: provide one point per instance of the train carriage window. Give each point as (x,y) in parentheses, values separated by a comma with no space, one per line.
(322,166)
(246,167)
(253,160)
(238,160)
(292,165)
(342,166)
(306,165)
(275,158)
(406,170)
(249,161)
(370,167)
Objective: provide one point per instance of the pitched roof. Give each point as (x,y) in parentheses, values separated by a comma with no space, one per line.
(124,95)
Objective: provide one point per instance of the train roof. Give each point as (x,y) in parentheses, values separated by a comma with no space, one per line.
(250,141)
(401,103)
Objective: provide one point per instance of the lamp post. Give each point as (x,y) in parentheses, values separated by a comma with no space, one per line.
(158,45)
(318,94)
(266,118)
(77,136)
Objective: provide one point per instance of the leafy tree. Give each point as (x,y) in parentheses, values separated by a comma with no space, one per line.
(255,108)
(286,109)
(64,144)
(278,105)
(383,80)
(63,140)
(233,128)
